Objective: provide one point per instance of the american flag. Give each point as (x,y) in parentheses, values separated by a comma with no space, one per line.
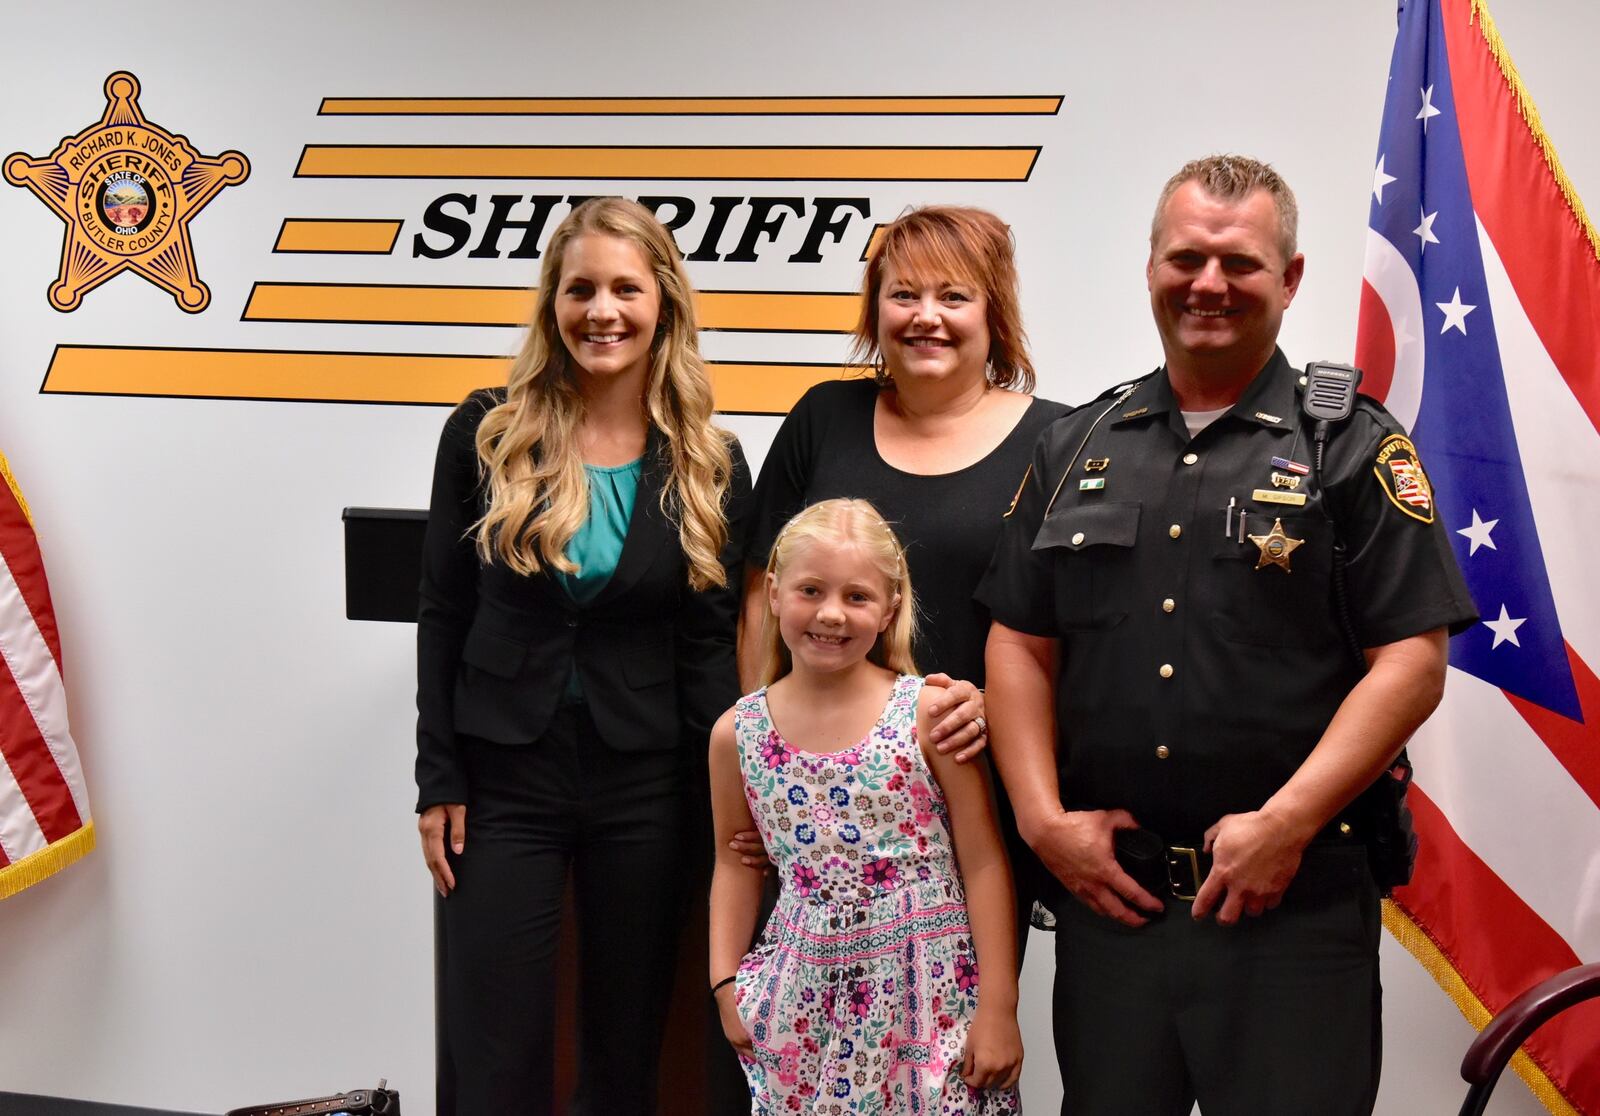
(1480,324)
(44,809)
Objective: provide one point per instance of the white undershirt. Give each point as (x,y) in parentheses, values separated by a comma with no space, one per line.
(1197,421)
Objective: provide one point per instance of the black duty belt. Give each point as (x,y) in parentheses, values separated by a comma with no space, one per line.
(1178,870)
(1160,868)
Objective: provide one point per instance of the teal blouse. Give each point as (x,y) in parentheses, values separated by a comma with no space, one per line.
(597,547)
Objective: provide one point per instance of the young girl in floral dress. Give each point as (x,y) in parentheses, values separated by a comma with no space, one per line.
(863,996)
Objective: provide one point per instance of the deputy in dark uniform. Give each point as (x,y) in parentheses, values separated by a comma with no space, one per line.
(1168,656)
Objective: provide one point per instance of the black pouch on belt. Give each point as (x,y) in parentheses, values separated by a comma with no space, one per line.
(1143,855)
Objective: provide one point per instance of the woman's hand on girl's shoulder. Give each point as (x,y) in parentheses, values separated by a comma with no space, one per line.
(957,712)
(993,1056)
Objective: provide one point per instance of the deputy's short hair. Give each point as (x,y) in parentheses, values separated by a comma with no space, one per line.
(1234,178)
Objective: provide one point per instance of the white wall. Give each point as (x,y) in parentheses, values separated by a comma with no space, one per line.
(255,922)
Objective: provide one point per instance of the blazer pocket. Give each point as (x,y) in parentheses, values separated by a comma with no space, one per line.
(494,654)
(648,666)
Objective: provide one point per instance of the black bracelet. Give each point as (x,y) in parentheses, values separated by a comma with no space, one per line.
(717,987)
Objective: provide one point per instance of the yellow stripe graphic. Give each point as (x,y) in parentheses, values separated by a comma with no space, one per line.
(690,106)
(320,234)
(830,164)
(872,242)
(756,311)
(367,377)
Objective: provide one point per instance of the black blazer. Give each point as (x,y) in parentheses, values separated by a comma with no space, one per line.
(495,648)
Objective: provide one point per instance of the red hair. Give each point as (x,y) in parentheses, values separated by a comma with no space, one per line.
(951,243)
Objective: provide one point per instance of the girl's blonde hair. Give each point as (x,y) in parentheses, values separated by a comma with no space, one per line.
(528,445)
(846,521)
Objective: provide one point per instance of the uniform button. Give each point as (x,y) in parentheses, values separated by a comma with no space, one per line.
(572,621)
(1190,458)
(1166,670)
(1077,540)
(1175,530)
(1344,828)
(1168,605)
(1163,752)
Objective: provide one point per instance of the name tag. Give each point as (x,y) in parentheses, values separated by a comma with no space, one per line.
(1271,496)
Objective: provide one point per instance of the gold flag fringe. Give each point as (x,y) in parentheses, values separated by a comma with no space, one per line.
(76,845)
(47,861)
(16,489)
(1421,945)
(1530,116)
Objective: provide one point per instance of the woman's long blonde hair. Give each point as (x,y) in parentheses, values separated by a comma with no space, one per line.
(846,521)
(528,445)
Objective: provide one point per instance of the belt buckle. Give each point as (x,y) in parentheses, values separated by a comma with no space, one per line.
(1183,872)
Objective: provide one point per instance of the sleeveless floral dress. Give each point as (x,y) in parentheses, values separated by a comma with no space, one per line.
(859,995)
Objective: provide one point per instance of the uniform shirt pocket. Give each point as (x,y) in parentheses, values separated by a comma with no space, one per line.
(1268,604)
(1092,550)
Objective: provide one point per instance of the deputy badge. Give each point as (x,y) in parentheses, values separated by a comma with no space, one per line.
(1400,474)
(1276,547)
(127,190)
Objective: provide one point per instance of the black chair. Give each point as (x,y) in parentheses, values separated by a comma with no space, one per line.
(1487,1056)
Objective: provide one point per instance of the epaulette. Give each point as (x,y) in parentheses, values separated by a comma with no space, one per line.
(1111,393)
(1125,385)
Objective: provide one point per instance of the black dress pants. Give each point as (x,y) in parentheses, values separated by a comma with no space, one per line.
(566,804)
(1278,1014)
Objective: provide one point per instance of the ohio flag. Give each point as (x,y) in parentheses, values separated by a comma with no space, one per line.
(44,809)
(1480,326)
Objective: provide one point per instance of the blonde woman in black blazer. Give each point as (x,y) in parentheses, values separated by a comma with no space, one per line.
(564,713)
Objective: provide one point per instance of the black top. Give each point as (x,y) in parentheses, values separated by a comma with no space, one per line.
(1196,675)
(947,522)
(495,649)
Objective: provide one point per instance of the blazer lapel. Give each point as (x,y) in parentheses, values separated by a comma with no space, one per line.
(648,527)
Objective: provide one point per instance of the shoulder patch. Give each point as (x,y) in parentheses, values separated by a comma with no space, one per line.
(1400,475)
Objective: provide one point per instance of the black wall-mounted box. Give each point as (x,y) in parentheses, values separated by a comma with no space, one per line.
(382,562)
